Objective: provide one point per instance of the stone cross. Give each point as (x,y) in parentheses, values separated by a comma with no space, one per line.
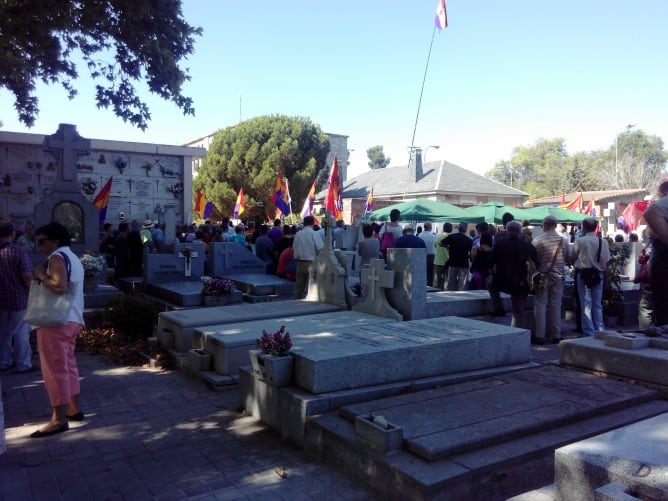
(68,146)
(377,277)
(329,222)
(226,252)
(188,254)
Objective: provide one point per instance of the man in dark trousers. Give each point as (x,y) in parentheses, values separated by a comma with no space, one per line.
(509,273)
(459,247)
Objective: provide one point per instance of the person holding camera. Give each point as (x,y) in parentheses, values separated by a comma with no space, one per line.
(590,256)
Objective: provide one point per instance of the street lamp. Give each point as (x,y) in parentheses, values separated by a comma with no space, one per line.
(627,128)
(424,157)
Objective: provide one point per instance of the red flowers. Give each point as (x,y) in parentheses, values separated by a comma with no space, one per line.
(277,344)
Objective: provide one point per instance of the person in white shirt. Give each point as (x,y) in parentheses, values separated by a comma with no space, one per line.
(305,247)
(429,240)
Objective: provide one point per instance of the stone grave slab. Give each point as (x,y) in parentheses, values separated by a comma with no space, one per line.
(261,284)
(375,280)
(361,356)
(489,464)
(465,303)
(633,458)
(630,355)
(100,296)
(226,258)
(180,324)
(179,293)
(229,343)
(467,416)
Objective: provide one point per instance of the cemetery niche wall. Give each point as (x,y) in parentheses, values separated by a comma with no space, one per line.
(57,177)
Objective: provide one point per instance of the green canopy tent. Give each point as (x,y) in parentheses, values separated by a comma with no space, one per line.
(562,215)
(492,212)
(425,210)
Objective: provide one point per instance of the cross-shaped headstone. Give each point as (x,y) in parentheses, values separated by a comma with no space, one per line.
(188,254)
(377,277)
(329,222)
(68,146)
(226,252)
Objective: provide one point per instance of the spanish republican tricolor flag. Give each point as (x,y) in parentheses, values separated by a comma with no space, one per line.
(102,200)
(368,207)
(200,203)
(240,204)
(307,210)
(441,15)
(333,198)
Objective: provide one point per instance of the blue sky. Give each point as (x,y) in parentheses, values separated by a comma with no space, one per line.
(503,74)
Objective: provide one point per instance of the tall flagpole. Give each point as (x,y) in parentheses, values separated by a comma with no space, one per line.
(424,78)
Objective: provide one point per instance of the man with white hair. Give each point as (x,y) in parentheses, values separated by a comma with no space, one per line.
(552,250)
(509,273)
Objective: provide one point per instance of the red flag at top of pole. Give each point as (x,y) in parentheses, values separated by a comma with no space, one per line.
(333,198)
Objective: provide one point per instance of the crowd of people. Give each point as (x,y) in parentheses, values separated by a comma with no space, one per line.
(498,259)
(488,258)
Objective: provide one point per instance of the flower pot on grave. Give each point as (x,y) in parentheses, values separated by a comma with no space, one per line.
(276,371)
(199,360)
(212,300)
(89,284)
(378,434)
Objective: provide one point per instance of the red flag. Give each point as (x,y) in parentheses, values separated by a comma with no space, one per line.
(333,198)
(563,199)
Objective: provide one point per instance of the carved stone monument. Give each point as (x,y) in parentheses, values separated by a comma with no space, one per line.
(65,203)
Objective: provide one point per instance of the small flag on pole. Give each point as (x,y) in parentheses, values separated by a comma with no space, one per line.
(368,207)
(281,197)
(333,198)
(441,15)
(240,204)
(307,210)
(102,200)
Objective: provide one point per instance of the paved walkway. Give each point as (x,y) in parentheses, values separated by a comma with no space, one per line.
(157,435)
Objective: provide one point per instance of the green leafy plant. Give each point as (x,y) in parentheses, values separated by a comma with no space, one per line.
(612,288)
(131,315)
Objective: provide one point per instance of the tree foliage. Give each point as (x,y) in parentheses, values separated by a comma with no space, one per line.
(377,158)
(120,41)
(635,161)
(249,156)
(546,169)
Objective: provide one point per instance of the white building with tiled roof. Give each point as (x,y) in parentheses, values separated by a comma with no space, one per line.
(439,180)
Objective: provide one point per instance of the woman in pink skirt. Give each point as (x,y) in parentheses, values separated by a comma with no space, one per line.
(62,270)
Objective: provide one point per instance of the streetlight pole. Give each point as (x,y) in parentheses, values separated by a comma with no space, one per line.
(627,128)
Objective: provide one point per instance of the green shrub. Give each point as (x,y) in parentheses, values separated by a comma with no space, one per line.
(132,316)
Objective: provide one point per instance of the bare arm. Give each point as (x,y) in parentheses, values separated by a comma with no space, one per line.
(56,278)
(657,222)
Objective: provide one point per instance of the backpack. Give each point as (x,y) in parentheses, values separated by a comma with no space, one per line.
(386,242)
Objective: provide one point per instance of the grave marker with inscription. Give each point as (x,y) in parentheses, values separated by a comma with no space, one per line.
(229,257)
